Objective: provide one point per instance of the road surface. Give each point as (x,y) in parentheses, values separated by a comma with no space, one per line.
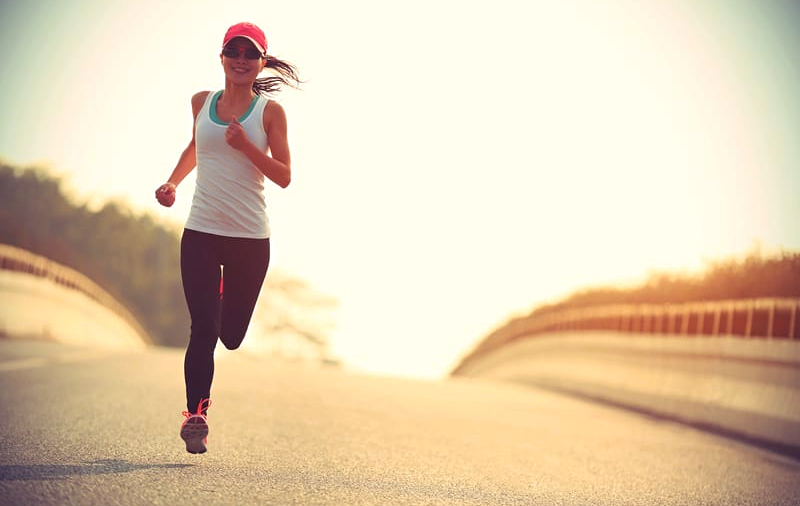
(93,427)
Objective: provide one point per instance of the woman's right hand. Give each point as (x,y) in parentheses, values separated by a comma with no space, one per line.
(165,194)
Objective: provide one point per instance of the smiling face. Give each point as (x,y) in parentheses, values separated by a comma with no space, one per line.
(241,61)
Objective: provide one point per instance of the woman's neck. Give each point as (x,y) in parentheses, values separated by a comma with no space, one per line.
(234,94)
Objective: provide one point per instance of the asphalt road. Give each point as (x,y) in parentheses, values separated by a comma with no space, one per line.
(90,427)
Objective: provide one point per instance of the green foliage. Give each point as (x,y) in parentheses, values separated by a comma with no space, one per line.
(132,257)
(754,276)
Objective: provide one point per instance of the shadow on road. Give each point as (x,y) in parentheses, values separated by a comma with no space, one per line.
(60,471)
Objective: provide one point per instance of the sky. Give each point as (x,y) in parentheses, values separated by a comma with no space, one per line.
(454,163)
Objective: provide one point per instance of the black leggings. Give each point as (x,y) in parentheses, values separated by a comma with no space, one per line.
(213,315)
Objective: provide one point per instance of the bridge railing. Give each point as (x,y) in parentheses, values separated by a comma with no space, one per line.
(19,260)
(762,318)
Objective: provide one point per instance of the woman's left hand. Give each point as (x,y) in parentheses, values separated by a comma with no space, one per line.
(235,135)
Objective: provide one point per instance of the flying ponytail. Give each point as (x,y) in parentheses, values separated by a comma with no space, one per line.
(286,75)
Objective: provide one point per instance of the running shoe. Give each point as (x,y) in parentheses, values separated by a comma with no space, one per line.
(194,429)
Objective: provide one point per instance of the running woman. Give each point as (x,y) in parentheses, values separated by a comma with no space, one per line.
(239,138)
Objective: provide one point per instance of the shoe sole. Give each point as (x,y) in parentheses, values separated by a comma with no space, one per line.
(194,432)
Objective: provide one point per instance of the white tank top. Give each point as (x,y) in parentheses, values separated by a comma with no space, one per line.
(229,190)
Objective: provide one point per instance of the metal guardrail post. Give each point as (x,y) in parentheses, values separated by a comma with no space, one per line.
(717,318)
(701,312)
(731,310)
(659,314)
(687,313)
(770,319)
(671,320)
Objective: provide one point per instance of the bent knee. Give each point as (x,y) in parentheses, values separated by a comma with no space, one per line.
(231,343)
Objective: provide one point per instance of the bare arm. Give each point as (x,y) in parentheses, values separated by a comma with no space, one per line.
(276,165)
(186,162)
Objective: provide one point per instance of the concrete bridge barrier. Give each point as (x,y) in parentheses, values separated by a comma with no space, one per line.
(743,384)
(42,299)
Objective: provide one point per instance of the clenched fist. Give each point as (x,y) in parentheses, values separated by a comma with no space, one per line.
(235,135)
(165,194)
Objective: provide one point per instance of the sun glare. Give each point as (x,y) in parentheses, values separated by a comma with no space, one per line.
(452,163)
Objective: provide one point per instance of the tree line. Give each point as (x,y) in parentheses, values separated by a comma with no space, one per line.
(753,275)
(135,258)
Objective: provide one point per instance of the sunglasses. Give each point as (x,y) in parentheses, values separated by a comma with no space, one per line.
(250,53)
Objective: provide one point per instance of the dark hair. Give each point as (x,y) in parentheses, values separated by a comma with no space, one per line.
(287,75)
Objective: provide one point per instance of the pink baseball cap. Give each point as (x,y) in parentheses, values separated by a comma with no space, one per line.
(250,32)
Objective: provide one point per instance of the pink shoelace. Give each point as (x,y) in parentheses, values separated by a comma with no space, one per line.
(205,403)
